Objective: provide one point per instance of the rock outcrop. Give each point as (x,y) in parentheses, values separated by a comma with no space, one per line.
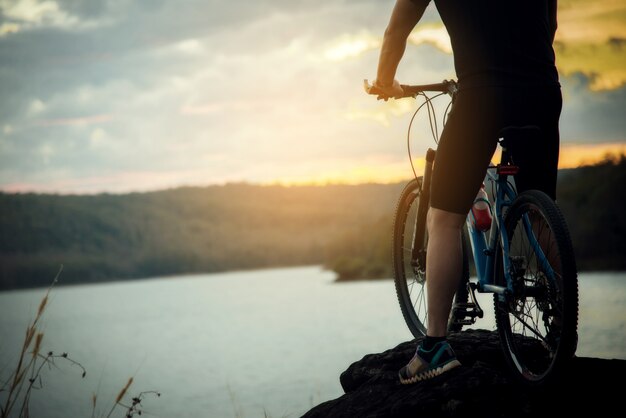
(481,387)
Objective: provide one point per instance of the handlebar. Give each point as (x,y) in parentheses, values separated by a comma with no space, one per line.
(447,86)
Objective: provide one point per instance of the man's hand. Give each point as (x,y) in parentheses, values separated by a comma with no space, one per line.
(384,92)
(389,90)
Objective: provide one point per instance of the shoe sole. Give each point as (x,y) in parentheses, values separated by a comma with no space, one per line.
(431,373)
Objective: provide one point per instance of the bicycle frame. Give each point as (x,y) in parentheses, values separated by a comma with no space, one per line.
(484,249)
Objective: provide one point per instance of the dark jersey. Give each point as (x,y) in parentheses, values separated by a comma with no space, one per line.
(501,42)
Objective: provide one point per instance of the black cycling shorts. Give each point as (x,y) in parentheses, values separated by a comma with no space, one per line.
(470,137)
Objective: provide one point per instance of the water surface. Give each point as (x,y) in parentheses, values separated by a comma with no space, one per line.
(241,344)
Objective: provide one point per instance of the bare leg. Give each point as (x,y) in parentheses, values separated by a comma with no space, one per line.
(443,270)
(443,267)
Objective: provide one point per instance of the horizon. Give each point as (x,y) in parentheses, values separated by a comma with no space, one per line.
(607,158)
(118,97)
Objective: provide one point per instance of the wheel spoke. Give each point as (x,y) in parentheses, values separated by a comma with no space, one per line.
(532,318)
(528,327)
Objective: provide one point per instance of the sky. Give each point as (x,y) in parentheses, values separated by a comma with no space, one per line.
(120,95)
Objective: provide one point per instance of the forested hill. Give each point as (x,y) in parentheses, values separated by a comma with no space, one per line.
(241,226)
(185,230)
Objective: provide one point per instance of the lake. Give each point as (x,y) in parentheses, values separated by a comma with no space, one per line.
(241,344)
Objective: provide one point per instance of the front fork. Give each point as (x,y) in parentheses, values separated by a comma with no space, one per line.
(418,250)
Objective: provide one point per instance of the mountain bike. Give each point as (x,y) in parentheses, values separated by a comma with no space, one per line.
(525,259)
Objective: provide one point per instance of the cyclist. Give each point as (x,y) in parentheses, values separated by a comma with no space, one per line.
(505,66)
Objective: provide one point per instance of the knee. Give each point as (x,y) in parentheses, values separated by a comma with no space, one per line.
(441,219)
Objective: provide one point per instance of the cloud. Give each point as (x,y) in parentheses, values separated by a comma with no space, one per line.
(591,40)
(432,34)
(33,14)
(36,12)
(351,46)
(603,63)
(7,28)
(209,91)
(571,156)
(190,46)
(591,116)
(36,106)
(590,21)
(348,46)
(225,107)
(382,112)
(78,121)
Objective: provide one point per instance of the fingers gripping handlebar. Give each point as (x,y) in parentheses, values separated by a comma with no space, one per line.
(447,86)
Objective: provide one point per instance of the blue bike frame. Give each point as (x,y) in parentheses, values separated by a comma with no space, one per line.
(485,249)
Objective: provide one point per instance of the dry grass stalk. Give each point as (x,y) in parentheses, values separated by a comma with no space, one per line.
(30,332)
(120,396)
(123,391)
(37,344)
(42,305)
(17,380)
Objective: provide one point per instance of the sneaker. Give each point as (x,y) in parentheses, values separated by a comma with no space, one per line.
(442,359)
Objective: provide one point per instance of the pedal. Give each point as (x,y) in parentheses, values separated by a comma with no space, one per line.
(467,310)
(466,313)
(463,322)
(472,289)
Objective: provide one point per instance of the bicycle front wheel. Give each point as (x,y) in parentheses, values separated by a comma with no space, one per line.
(409,263)
(538,322)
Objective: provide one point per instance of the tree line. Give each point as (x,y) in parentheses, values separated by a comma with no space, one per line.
(346,228)
(590,197)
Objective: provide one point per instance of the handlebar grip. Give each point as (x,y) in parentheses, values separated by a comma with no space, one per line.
(371,89)
(448,86)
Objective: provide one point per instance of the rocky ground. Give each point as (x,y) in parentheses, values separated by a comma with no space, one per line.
(481,387)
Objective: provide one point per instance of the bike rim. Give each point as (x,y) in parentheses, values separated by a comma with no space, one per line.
(414,276)
(533,318)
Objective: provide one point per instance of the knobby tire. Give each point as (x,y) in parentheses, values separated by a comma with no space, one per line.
(410,281)
(538,323)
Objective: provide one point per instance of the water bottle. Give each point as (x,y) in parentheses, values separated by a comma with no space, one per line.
(481,210)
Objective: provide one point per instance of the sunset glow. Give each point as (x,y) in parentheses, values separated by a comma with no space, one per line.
(435,35)
(591,39)
(351,46)
(125,97)
(572,156)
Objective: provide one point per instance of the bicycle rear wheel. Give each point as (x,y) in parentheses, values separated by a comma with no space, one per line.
(538,322)
(409,264)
